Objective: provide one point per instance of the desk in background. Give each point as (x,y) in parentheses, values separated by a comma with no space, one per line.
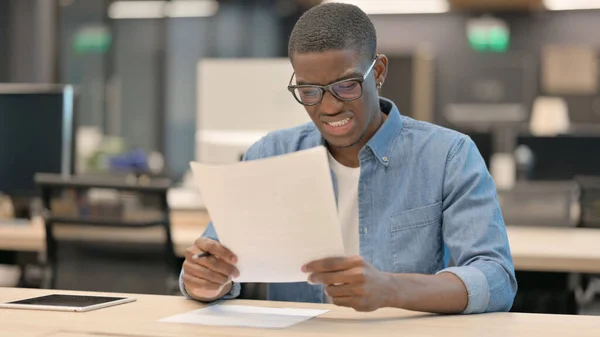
(21,237)
(551,249)
(140,319)
(533,248)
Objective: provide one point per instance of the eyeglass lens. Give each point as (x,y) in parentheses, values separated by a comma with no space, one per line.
(345,90)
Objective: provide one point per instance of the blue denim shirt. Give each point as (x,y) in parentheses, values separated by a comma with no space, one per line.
(425,198)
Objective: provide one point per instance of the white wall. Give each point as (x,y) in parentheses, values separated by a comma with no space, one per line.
(239,101)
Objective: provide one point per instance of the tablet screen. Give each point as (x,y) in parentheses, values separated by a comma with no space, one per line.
(67,300)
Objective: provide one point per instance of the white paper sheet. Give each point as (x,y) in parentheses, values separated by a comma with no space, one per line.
(276,214)
(245,316)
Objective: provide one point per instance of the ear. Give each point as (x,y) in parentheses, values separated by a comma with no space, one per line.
(381,68)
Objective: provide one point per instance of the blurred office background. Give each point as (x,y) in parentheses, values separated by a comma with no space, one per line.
(151,89)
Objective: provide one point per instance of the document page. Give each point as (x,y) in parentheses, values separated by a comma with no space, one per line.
(245,316)
(276,214)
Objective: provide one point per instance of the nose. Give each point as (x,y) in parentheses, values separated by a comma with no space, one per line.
(330,105)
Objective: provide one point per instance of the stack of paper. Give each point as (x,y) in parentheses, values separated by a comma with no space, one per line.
(245,316)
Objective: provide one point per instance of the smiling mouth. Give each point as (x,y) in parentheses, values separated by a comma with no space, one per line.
(340,127)
(339,123)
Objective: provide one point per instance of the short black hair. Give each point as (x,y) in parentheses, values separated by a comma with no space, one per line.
(334,26)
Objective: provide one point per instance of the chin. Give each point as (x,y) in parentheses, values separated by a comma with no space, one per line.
(342,143)
(346,140)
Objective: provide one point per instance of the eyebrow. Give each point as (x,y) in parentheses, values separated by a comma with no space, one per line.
(353,74)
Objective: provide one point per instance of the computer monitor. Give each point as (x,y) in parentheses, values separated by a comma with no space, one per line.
(489,91)
(36,135)
(562,157)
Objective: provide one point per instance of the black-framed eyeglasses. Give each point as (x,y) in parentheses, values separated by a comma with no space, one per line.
(344,90)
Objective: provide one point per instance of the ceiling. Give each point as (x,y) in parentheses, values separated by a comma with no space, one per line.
(496,5)
(441,6)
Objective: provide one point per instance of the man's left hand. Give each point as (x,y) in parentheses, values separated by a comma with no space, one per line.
(351,282)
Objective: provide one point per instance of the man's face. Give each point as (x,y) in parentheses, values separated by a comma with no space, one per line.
(341,123)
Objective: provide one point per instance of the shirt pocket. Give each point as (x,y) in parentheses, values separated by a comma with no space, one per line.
(416,217)
(416,240)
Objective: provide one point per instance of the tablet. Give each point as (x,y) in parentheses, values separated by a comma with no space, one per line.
(58,302)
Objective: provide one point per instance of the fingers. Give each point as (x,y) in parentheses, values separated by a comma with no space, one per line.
(202,289)
(194,283)
(208,277)
(215,248)
(351,296)
(219,266)
(204,273)
(350,276)
(333,264)
(213,263)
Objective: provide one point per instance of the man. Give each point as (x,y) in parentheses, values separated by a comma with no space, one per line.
(411,195)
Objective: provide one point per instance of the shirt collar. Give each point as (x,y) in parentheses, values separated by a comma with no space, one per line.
(382,142)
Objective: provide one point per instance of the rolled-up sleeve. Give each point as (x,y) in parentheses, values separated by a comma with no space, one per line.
(475,233)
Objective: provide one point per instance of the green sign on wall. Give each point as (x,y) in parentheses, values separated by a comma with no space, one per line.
(92,40)
(488,35)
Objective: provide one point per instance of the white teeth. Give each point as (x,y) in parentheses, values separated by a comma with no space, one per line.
(340,123)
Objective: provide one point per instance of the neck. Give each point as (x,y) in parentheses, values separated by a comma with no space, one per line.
(348,156)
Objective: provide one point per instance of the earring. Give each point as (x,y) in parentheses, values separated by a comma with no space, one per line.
(379,84)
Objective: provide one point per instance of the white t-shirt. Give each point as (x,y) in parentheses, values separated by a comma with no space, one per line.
(347,204)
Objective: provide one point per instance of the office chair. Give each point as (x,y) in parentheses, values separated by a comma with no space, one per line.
(131,260)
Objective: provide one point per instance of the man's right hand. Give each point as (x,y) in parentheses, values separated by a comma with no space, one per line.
(209,278)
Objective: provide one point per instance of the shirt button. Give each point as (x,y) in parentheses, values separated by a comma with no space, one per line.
(385,159)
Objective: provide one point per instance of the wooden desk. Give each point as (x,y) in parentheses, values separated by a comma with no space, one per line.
(141,319)
(22,237)
(555,249)
(186,227)
(533,248)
